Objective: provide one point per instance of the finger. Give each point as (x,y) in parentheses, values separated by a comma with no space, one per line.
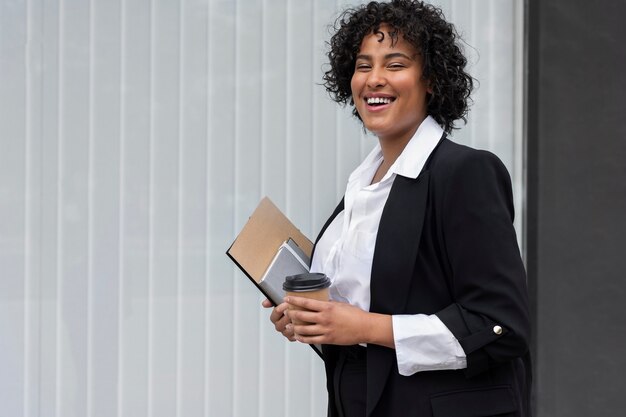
(284,321)
(282,307)
(267,303)
(306,303)
(278,312)
(305,316)
(289,333)
(275,316)
(307,330)
(311,340)
(281,324)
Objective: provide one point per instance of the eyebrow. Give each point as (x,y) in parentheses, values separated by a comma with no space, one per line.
(388,56)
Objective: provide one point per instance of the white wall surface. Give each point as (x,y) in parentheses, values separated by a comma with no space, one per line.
(136,136)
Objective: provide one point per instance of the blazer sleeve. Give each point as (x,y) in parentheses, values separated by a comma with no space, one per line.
(489,315)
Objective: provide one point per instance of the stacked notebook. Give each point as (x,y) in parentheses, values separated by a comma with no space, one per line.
(289,260)
(269,248)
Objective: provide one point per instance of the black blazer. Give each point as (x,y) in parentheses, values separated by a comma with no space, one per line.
(446,246)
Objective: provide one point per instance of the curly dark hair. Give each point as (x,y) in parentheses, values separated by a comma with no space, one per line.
(423,26)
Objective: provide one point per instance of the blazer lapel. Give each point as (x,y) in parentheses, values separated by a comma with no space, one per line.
(395,254)
(397,243)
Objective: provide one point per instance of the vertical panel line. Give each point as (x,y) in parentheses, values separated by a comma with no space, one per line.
(312,141)
(207,230)
(121,211)
(59,219)
(179,221)
(288,118)
(263,152)
(38,299)
(27,214)
(492,72)
(90,226)
(151,216)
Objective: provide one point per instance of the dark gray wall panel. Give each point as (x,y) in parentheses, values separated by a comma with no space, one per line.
(577,205)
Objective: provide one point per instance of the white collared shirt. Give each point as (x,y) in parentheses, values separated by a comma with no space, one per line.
(346,249)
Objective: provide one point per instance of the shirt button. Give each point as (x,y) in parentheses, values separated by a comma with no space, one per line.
(497,329)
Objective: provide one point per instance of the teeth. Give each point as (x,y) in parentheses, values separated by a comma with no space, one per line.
(378,100)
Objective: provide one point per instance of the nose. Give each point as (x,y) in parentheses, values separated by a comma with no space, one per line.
(376,78)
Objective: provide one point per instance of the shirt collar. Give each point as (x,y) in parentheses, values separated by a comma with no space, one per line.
(413,157)
(371,160)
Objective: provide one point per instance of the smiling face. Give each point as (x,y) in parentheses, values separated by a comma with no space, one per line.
(387,86)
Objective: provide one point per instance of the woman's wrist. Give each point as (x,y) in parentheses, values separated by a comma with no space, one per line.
(379,330)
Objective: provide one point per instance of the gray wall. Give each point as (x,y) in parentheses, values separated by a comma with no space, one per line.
(576,205)
(136,137)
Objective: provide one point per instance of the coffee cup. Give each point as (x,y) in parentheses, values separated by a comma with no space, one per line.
(311,285)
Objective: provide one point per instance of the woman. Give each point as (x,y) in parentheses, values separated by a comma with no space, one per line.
(429,310)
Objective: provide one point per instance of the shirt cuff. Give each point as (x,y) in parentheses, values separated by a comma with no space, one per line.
(424,343)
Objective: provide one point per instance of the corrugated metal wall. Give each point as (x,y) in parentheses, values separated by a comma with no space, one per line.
(136,136)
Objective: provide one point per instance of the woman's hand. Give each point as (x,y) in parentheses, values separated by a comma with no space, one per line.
(330,322)
(282,323)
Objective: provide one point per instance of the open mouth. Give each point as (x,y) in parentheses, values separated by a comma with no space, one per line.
(379,101)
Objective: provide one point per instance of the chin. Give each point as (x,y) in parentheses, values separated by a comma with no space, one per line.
(374,128)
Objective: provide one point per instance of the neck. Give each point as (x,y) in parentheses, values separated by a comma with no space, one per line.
(391,148)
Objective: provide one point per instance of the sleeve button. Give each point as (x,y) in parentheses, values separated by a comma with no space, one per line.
(497,329)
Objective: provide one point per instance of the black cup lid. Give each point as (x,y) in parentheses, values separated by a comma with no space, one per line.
(306,282)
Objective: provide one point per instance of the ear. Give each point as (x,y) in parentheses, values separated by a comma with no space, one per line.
(429,87)
(428,84)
